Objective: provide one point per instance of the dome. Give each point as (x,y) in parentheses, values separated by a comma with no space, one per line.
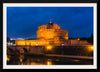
(53,26)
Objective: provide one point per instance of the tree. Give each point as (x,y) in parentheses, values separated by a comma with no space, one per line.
(90,40)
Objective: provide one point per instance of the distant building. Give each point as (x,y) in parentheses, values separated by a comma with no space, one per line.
(51,34)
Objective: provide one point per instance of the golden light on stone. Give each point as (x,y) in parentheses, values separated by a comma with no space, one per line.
(46,34)
(66,38)
(78,38)
(51,34)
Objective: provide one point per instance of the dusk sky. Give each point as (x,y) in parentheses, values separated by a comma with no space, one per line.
(23,22)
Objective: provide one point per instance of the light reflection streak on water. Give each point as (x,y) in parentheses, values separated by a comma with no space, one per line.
(8,59)
(76,60)
(49,62)
(21,60)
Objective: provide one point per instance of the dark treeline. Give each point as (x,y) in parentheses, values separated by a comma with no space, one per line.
(90,39)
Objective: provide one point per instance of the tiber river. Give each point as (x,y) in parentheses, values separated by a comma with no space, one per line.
(23,60)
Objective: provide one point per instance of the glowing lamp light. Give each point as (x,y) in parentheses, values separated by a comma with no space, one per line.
(21,60)
(49,47)
(91,48)
(78,38)
(49,63)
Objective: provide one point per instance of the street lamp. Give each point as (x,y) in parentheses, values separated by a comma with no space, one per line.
(91,48)
(78,38)
(49,47)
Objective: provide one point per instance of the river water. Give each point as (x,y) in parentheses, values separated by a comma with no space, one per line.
(23,60)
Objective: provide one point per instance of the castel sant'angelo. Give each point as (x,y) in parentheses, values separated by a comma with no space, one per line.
(51,34)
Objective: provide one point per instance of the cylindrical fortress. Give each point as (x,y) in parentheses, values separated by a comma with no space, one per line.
(51,31)
(49,34)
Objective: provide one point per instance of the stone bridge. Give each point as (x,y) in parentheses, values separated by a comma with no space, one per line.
(30,49)
(66,50)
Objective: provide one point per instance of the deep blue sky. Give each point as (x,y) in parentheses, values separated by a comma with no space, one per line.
(23,22)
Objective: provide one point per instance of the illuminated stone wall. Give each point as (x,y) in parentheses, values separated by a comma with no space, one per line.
(49,34)
(45,33)
(32,42)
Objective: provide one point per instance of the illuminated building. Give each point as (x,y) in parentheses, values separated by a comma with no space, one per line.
(50,34)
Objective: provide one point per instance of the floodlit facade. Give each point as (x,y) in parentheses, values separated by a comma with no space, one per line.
(50,34)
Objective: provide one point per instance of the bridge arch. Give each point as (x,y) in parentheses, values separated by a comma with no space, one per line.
(23,50)
(10,51)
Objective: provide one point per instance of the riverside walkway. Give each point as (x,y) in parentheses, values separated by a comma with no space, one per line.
(70,56)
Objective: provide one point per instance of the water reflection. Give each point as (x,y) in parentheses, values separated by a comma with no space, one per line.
(31,61)
(49,62)
(8,58)
(22,60)
(76,60)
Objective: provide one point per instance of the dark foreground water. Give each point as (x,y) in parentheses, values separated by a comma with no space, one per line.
(23,60)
